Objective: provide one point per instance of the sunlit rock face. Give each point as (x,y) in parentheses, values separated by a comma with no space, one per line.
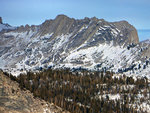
(90,43)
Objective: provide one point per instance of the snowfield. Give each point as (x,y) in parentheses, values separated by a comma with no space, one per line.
(37,49)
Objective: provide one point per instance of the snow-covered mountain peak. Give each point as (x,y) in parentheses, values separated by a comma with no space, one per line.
(66,42)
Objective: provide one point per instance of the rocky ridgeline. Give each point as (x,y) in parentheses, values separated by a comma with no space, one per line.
(67,42)
(120,32)
(15,100)
(85,29)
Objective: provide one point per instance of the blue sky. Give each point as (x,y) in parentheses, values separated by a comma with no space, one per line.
(21,12)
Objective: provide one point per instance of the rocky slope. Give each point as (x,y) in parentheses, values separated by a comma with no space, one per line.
(67,42)
(15,100)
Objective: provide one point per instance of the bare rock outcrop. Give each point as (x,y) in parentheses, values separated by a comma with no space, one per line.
(1,20)
(15,100)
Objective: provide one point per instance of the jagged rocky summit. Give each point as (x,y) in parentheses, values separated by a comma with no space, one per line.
(74,43)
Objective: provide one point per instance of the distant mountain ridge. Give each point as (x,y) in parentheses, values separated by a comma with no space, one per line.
(5,26)
(66,42)
(146,41)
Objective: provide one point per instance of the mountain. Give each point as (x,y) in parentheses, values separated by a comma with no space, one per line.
(89,43)
(146,41)
(5,26)
(15,100)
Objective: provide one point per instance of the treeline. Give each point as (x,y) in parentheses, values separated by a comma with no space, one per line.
(79,92)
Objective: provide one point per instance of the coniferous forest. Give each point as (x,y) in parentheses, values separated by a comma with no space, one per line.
(87,91)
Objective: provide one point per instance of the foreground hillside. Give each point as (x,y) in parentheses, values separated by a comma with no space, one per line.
(89,92)
(15,100)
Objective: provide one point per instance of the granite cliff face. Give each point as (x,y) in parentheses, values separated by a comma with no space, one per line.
(67,42)
(128,29)
(91,28)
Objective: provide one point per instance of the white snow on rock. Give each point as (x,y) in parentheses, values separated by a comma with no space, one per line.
(30,50)
(4,26)
(83,28)
(108,55)
(147,41)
